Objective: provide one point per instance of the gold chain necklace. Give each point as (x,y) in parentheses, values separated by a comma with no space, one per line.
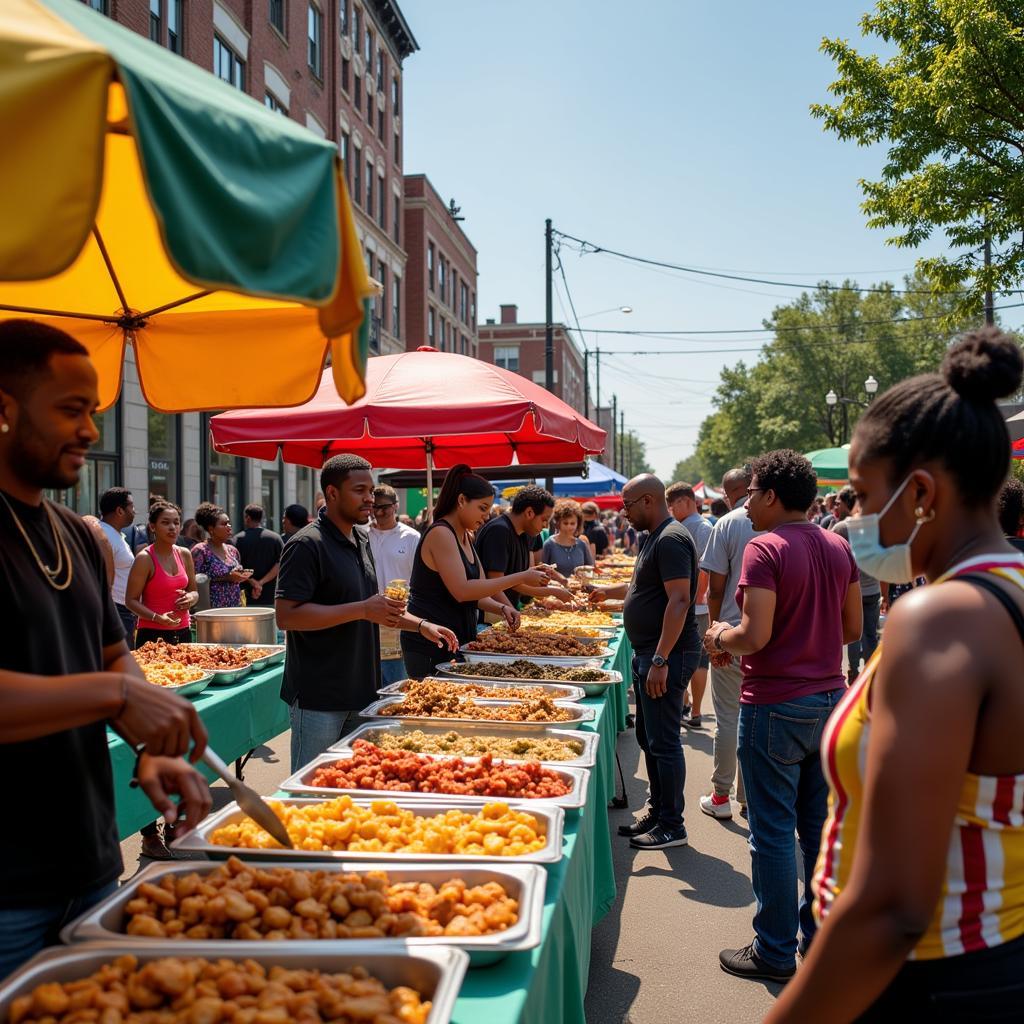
(50,575)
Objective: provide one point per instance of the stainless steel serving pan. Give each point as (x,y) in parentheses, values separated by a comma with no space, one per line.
(386,709)
(436,972)
(224,676)
(275,657)
(302,782)
(553,689)
(591,660)
(586,741)
(192,689)
(525,883)
(550,818)
(456,670)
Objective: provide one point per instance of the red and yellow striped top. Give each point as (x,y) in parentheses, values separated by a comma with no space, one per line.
(982,901)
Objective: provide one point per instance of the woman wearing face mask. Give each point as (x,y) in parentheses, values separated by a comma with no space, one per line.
(920,878)
(447,584)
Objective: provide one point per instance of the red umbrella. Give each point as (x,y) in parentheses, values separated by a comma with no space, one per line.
(422,408)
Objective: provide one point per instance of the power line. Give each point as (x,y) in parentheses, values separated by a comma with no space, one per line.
(590,247)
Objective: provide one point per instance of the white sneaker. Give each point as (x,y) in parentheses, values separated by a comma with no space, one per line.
(721,810)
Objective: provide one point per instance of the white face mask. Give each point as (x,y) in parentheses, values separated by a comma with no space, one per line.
(889,564)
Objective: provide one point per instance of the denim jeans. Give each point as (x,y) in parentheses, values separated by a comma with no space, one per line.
(786,793)
(865,646)
(658,724)
(24,931)
(392,671)
(314,731)
(129,621)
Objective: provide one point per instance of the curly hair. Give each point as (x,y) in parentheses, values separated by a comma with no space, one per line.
(789,475)
(207,514)
(532,496)
(563,509)
(1011,506)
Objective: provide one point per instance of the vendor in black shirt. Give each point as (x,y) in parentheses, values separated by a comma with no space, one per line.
(504,544)
(327,600)
(661,625)
(448,582)
(65,669)
(260,550)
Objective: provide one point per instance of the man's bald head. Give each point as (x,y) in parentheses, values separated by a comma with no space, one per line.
(643,499)
(645,483)
(735,483)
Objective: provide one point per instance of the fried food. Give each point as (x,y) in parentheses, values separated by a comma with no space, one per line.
(165,673)
(557,645)
(464,689)
(521,748)
(554,629)
(522,669)
(370,767)
(244,902)
(178,990)
(559,617)
(492,830)
(208,658)
(433,701)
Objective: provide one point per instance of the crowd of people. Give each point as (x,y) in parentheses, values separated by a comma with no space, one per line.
(889,866)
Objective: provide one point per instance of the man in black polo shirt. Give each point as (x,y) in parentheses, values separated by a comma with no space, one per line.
(65,670)
(661,625)
(261,551)
(327,600)
(504,543)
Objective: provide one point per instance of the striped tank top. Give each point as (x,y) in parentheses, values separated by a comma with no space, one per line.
(982,900)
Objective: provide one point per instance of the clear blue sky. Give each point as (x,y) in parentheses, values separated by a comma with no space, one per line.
(684,137)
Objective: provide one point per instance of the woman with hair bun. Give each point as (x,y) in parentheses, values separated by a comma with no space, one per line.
(920,878)
(448,584)
(217,558)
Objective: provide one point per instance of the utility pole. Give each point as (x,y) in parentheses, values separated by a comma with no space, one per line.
(990,313)
(627,450)
(586,382)
(597,397)
(549,333)
(615,446)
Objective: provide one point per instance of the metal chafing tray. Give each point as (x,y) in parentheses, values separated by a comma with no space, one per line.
(552,688)
(456,670)
(586,741)
(275,657)
(226,676)
(386,709)
(190,689)
(435,972)
(525,883)
(576,778)
(600,654)
(550,817)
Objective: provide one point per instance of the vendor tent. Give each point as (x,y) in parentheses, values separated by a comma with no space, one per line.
(145,202)
(600,479)
(832,465)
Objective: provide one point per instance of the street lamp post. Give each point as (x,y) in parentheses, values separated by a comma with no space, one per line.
(832,400)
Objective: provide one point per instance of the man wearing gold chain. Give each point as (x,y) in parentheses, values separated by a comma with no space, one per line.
(65,669)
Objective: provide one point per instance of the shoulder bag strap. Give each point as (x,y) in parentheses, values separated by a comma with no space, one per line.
(987,583)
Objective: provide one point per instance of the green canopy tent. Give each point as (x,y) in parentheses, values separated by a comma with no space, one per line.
(832,466)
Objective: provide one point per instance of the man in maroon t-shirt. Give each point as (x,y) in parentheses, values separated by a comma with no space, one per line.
(800,600)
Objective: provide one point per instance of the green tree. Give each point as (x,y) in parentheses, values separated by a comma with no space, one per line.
(949,105)
(688,469)
(631,456)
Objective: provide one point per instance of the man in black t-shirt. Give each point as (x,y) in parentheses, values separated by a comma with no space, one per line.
(504,543)
(65,669)
(596,534)
(661,625)
(261,551)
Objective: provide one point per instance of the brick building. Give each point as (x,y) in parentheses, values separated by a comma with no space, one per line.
(441,272)
(520,347)
(336,67)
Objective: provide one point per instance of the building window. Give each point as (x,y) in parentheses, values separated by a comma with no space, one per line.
(398,148)
(368,53)
(382,202)
(102,468)
(444,335)
(380,123)
(442,280)
(97,5)
(431,328)
(276,15)
(271,495)
(357,93)
(271,102)
(369,188)
(396,219)
(227,64)
(357,174)
(381,304)
(164,438)
(464,345)
(346,70)
(316,35)
(380,69)
(453,281)
(304,489)
(343,17)
(430,266)
(369,100)
(357,26)
(396,306)
(464,303)
(394,97)
(154,21)
(175,28)
(472,308)
(507,357)
(344,144)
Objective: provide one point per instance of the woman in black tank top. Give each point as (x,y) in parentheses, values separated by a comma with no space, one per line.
(448,585)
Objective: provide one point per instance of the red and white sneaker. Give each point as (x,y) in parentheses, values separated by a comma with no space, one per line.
(717,806)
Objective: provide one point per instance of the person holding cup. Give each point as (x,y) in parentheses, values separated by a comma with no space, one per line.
(218,558)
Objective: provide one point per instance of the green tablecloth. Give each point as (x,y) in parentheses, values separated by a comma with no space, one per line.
(618,696)
(238,718)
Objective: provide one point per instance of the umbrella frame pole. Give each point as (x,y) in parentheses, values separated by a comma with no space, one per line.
(430,482)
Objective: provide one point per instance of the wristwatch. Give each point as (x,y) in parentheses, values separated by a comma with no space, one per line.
(658,661)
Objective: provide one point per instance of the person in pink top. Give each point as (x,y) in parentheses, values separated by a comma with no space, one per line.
(799,595)
(162,583)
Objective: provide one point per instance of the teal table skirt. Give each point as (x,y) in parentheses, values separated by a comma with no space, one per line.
(620,661)
(238,718)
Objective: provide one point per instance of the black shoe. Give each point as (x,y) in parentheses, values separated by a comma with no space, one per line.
(639,826)
(693,722)
(659,838)
(745,963)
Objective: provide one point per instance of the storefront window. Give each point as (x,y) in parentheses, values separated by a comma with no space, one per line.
(224,479)
(305,490)
(271,495)
(102,467)
(164,432)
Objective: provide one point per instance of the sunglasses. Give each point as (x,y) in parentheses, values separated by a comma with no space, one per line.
(384,508)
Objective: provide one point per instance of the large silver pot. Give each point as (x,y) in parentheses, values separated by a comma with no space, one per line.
(236,626)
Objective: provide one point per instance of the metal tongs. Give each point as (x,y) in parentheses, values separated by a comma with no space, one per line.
(249,800)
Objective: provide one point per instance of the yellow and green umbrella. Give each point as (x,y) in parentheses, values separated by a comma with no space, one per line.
(832,465)
(146,202)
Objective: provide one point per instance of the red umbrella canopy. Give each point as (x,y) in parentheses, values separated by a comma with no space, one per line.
(460,409)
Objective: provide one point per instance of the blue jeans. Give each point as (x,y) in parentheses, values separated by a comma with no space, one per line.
(658,724)
(24,931)
(864,646)
(786,793)
(392,671)
(314,731)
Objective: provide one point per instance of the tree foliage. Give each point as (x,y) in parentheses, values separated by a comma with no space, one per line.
(949,105)
(687,470)
(631,455)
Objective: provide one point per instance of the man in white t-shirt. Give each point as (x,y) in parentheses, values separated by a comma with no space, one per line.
(393,546)
(117,511)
